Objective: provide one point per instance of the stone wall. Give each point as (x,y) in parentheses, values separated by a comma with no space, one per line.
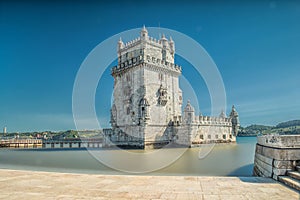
(276,154)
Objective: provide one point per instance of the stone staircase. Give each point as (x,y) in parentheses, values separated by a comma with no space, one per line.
(292,179)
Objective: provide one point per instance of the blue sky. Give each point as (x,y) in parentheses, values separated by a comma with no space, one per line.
(256,46)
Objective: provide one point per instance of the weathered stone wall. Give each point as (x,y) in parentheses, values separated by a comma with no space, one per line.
(162,114)
(194,134)
(183,135)
(275,155)
(291,141)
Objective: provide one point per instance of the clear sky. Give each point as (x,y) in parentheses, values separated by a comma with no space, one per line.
(255,44)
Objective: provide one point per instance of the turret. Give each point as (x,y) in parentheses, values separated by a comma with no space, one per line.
(189,113)
(234,116)
(163,40)
(172,46)
(120,45)
(144,33)
(222,114)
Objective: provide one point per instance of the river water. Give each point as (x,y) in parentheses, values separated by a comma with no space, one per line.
(223,160)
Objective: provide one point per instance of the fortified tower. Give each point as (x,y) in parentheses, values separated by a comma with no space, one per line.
(146,110)
(147,98)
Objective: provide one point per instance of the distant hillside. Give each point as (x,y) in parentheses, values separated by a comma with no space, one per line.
(288,124)
(253,130)
(289,127)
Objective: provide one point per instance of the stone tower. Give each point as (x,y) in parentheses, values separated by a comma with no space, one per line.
(234,116)
(147,97)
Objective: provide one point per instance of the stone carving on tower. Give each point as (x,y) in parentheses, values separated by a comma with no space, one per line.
(162,98)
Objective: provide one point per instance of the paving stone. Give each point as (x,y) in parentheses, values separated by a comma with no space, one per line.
(50,185)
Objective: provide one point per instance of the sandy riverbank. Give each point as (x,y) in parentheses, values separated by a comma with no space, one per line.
(16,184)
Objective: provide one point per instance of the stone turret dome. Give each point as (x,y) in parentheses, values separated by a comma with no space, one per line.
(120,44)
(189,107)
(144,32)
(222,114)
(234,113)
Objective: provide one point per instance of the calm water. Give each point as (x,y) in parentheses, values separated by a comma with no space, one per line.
(223,160)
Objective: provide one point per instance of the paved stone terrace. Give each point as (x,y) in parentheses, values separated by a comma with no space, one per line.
(49,185)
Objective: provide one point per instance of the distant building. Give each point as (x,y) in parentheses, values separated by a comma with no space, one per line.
(4,131)
(147,105)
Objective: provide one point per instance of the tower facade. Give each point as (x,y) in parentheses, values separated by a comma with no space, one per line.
(147,97)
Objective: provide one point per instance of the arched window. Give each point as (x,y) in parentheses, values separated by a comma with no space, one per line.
(160,77)
(164,54)
(143,108)
(127,77)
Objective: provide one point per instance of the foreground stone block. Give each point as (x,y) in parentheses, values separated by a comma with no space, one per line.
(283,164)
(276,154)
(279,172)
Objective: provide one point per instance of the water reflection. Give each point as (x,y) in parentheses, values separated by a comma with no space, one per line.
(225,159)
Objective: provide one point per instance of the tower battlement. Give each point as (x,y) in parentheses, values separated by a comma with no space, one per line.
(157,54)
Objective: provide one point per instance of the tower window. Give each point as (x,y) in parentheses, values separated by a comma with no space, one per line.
(127,77)
(128,110)
(164,54)
(189,116)
(161,77)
